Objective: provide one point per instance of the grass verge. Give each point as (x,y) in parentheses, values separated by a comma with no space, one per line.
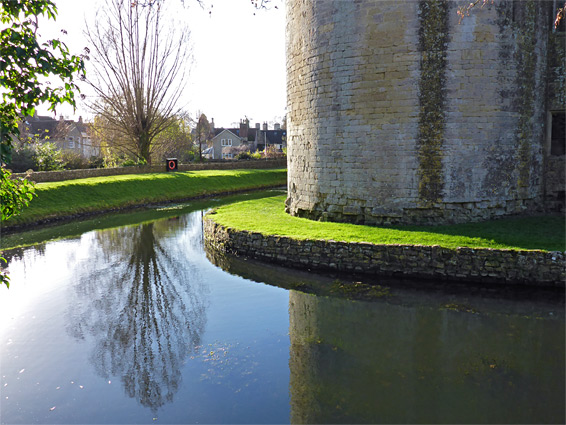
(74,197)
(267,216)
(135,217)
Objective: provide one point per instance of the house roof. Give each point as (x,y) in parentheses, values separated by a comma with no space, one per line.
(42,128)
(251,132)
(274,136)
(45,126)
(229,131)
(43,118)
(217,131)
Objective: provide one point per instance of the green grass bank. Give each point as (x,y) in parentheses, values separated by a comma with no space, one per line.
(59,200)
(268,217)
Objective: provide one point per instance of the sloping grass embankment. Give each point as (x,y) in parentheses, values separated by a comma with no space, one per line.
(269,218)
(99,194)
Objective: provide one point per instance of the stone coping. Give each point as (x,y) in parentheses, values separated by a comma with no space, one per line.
(482,265)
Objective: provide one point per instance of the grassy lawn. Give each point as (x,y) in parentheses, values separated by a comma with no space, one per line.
(67,198)
(267,216)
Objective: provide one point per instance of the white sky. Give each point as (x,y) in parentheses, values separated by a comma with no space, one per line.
(239,57)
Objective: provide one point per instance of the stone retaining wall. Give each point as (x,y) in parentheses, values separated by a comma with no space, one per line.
(54,176)
(535,268)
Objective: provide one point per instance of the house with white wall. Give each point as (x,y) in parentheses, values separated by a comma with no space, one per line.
(252,138)
(222,142)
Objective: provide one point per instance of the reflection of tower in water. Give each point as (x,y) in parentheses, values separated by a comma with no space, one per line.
(376,362)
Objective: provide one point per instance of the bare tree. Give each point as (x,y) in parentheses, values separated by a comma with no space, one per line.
(139,68)
(111,140)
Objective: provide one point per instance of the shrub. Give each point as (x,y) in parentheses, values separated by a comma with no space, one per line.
(244,155)
(96,162)
(112,160)
(183,156)
(129,163)
(74,161)
(133,162)
(48,157)
(23,159)
(274,153)
(188,156)
(39,156)
(15,194)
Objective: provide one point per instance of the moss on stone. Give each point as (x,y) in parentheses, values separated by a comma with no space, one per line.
(526,82)
(557,71)
(359,290)
(433,39)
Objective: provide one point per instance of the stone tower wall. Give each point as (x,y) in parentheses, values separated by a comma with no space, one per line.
(397,113)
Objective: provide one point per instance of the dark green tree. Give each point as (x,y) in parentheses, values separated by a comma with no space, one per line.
(24,62)
(202,133)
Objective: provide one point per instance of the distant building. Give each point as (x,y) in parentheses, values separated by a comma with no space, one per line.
(276,137)
(67,135)
(208,153)
(221,143)
(254,138)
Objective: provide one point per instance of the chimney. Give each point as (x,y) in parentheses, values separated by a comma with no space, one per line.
(257,126)
(264,126)
(277,126)
(244,126)
(212,124)
(80,119)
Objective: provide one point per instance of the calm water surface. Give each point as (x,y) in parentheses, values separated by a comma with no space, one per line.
(139,324)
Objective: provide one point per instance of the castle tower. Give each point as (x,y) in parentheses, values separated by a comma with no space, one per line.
(398,113)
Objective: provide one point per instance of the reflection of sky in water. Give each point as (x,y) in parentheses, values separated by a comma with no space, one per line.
(135,325)
(128,324)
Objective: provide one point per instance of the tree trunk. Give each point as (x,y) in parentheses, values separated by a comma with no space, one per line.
(144,145)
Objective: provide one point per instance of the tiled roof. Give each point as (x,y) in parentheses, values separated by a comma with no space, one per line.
(274,136)
(231,130)
(44,126)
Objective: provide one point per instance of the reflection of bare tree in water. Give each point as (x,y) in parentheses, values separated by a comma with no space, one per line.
(26,255)
(19,254)
(145,310)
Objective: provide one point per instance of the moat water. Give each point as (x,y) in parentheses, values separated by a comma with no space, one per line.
(128,319)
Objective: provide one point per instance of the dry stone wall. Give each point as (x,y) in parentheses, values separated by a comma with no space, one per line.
(54,176)
(491,266)
(397,113)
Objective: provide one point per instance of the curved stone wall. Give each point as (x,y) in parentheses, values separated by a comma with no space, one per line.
(399,114)
(537,268)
